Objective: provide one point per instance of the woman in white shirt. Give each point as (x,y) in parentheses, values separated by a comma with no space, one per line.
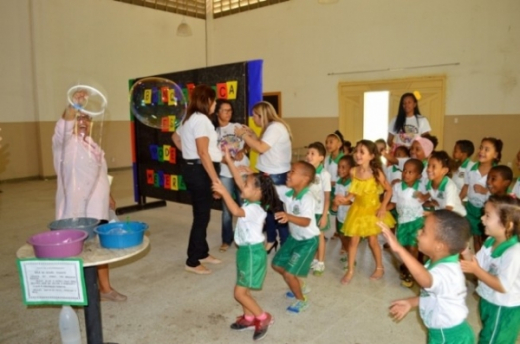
(408,124)
(275,152)
(227,138)
(197,139)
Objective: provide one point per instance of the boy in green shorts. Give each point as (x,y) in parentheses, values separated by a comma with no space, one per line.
(320,188)
(294,258)
(442,301)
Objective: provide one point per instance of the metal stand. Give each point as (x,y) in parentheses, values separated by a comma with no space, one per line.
(93,309)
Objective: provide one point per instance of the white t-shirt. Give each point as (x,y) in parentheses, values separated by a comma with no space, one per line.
(443,305)
(277,159)
(342,188)
(447,195)
(302,205)
(226,137)
(331,165)
(424,176)
(197,126)
(318,188)
(392,173)
(459,176)
(249,229)
(409,208)
(516,189)
(413,126)
(471,178)
(504,263)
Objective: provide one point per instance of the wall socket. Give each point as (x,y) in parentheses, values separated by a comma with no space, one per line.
(113,159)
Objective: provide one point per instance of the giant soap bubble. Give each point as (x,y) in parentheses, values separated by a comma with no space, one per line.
(158,103)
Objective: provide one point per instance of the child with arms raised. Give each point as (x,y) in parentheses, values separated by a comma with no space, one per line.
(259,194)
(497,267)
(294,258)
(409,212)
(442,190)
(442,302)
(475,188)
(320,188)
(368,183)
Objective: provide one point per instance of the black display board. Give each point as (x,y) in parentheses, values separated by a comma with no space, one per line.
(156,160)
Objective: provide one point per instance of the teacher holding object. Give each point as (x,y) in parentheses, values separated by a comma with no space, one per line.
(275,152)
(197,139)
(408,124)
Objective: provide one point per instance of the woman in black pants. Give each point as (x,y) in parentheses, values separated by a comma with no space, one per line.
(197,139)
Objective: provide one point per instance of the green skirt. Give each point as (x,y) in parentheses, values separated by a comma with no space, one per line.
(407,232)
(460,334)
(473,216)
(500,325)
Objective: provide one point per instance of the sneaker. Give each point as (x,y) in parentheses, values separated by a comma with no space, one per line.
(243,324)
(319,269)
(314,263)
(407,281)
(261,327)
(305,290)
(298,307)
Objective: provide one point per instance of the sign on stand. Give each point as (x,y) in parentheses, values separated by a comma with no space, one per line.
(52,281)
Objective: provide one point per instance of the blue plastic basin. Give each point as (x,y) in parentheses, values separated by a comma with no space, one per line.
(121,234)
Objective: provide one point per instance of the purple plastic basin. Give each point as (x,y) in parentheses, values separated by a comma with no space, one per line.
(58,244)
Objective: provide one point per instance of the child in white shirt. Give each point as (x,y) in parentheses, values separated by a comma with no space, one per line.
(259,194)
(497,267)
(442,301)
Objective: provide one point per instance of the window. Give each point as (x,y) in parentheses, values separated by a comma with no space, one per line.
(189,8)
(226,7)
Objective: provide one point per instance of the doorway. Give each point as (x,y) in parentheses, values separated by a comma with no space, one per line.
(354,110)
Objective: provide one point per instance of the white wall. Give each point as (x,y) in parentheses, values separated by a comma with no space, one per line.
(103,41)
(302,41)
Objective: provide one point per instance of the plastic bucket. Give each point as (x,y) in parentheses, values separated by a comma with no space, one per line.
(86,224)
(58,244)
(121,234)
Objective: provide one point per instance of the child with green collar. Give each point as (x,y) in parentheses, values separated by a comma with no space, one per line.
(442,190)
(462,153)
(294,258)
(409,212)
(320,188)
(497,267)
(442,301)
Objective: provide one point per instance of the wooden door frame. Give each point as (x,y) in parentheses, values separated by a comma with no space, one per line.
(352,126)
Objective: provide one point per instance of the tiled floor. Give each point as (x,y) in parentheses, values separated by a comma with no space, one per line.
(168,305)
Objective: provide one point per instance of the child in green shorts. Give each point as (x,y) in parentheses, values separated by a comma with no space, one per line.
(442,301)
(409,212)
(320,188)
(340,204)
(497,267)
(294,258)
(259,194)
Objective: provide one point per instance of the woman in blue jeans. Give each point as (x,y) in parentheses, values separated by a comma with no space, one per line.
(227,138)
(275,152)
(197,139)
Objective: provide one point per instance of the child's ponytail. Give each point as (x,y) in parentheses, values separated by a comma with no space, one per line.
(269,200)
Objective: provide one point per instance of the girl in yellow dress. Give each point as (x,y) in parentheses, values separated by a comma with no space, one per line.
(368,183)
